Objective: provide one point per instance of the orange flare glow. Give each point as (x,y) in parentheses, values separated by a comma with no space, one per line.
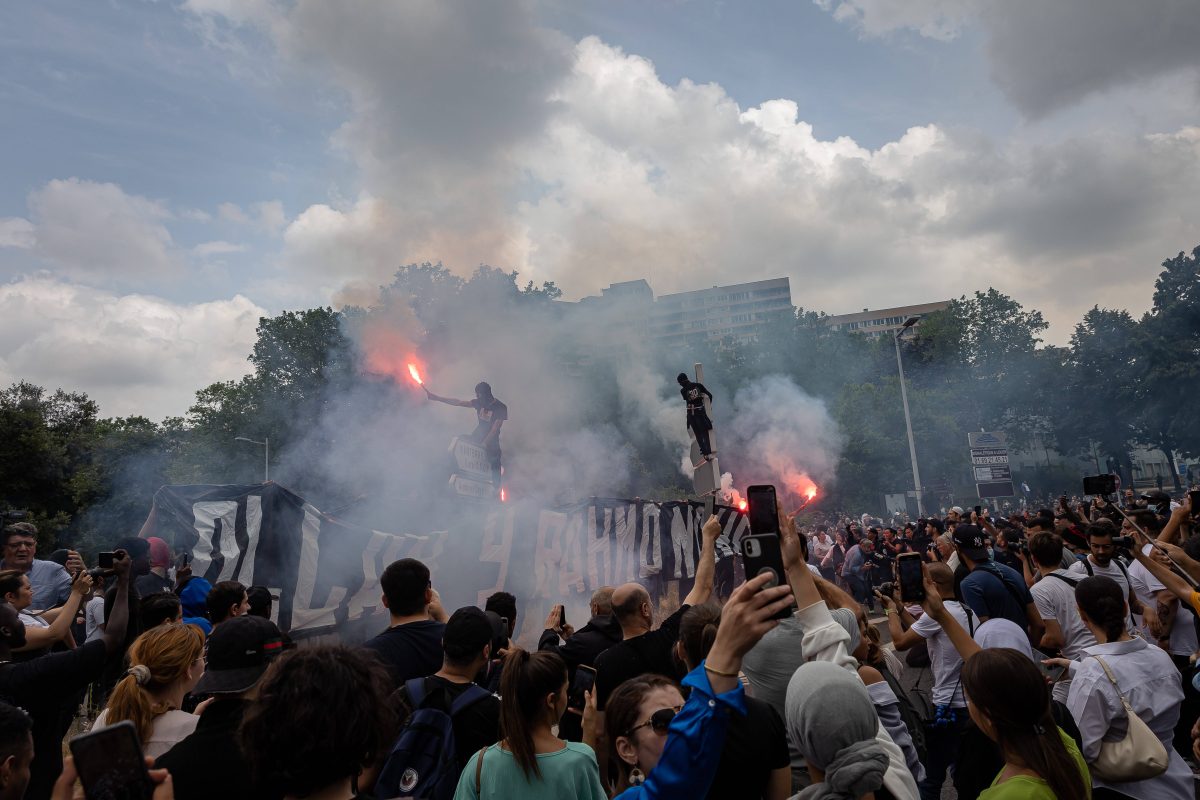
(743,505)
(416,376)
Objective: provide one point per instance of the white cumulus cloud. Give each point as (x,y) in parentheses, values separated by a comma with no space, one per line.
(133,353)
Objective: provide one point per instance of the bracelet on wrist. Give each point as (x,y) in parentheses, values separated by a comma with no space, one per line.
(716,671)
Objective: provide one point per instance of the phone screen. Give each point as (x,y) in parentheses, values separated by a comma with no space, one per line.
(710,504)
(111,765)
(1195,498)
(585,680)
(912,582)
(105,560)
(764,517)
(1050,673)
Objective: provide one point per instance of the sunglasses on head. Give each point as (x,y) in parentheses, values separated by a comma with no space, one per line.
(660,720)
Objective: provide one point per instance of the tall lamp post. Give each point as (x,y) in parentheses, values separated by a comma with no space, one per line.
(266,443)
(912,445)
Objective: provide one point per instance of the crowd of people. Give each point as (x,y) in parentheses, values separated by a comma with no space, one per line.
(1057,645)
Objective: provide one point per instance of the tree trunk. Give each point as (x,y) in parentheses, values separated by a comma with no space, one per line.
(1168,451)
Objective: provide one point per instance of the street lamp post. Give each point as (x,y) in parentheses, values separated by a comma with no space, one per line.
(266,443)
(912,445)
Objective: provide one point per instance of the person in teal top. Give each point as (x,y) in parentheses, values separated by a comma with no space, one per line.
(530,762)
(1040,761)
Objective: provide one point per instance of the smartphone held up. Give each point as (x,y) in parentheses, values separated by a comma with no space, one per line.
(761,550)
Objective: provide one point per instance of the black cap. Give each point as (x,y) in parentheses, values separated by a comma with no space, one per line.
(970,540)
(239,651)
(467,631)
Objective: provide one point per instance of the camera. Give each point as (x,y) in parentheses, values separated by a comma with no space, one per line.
(878,558)
(887,588)
(1123,541)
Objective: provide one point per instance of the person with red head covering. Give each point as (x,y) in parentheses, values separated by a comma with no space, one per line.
(160,560)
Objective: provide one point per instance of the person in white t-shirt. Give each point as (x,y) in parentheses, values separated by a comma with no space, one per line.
(1054,596)
(944,733)
(93,613)
(1102,562)
(165,664)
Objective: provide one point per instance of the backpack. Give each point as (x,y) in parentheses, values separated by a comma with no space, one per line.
(423,763)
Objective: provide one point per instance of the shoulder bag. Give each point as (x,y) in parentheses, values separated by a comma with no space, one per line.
(1137,757)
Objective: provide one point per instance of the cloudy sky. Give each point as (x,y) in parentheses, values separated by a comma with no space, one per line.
(172,169)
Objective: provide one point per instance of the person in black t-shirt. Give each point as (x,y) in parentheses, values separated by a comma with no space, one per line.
(697,416)
(755,763)
(412,646)
(643,650)
(467,645)
(490,415)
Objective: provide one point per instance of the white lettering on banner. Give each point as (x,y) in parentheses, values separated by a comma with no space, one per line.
(598,544)
(368,593)
(496,548)
(570,573)
(682,541)
(206,515)
(548,553)
(253,529)
(651,542)
(303,614)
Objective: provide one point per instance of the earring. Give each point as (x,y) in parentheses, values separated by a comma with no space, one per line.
(636,778)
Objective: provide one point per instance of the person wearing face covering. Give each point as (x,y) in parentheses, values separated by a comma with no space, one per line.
(833,723)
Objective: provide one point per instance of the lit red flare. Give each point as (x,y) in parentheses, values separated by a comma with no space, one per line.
(416,376)
(743,505)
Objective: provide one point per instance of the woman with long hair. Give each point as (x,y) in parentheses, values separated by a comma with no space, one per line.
(1142,673)
(1009,701)
(164,664)
(44,629)
(529,761)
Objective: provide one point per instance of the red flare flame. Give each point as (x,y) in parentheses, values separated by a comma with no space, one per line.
(742,505)
(503,495)
(416,376)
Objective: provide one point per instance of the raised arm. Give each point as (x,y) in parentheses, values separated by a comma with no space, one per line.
(804,588)
(1180,519)
(933,606)
(1165,575)
(118,618)
(450,401)
(706,567)
(39,638)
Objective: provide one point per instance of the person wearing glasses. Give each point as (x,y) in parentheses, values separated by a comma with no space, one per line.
(51,582)
(664,746)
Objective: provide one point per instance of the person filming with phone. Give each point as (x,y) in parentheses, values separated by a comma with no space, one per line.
(944,732)
(44,686)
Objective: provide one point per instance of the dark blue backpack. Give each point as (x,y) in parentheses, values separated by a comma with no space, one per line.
(423,763)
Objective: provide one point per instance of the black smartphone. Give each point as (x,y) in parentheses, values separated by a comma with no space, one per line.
(111,765)
(104,560)
(710,505)
(761,553)
(1052,674)
(908,573)
(978,512)
(585,680)
(562,617)
(764,514)
(1195,498)
(1100,484)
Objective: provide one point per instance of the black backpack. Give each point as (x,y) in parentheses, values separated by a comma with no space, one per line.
(423,763)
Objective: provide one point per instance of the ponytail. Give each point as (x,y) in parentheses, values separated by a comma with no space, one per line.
(1025,731)
(1103,602)
(526,680)
(158,658)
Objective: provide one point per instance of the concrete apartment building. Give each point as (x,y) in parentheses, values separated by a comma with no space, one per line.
(877,322)
(736,311)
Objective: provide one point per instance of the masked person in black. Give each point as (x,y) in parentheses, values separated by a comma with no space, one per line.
(490,414)
(697,417)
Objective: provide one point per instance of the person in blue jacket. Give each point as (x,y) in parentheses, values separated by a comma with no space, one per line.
(672,751)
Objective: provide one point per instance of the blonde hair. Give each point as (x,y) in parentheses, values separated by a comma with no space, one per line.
(158,658)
